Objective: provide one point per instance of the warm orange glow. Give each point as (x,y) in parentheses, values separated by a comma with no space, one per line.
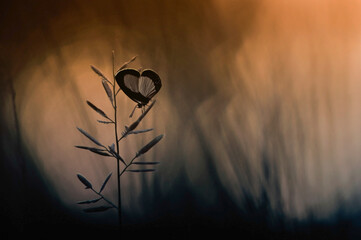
(255,83)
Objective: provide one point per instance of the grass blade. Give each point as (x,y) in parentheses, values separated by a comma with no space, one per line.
(98,110)
(151,144)
(89,201)
(90,137)
(105,182)
(97,209)
(89,148)
(141,131)
(84,181)
(133,126)
(146,163)
(102,153)
(104,122)
(95,150)
(108,90)
(99,74)
(127,63)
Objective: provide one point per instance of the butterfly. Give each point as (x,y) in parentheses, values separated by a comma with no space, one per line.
(139,86)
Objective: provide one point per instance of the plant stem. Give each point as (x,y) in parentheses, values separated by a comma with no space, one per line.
(117,147)
(130,163)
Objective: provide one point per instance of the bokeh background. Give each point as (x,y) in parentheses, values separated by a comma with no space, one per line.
(260,107)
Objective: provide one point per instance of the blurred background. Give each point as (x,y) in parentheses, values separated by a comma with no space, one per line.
(260,108)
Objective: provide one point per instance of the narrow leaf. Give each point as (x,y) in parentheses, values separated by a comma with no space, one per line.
(140,131)
(95,150)
(90,148)
(100,153)
(105,182)
(127,63)
(97,209)
(129,129)
(151,144)
(136,123)
(98,110)
(104,122)
(84,181)
(141,170)
(133,126)
(89,201)
(90,137)
(146,163)
(99,73)
(108,90)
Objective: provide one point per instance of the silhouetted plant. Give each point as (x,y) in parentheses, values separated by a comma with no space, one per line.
(112,150)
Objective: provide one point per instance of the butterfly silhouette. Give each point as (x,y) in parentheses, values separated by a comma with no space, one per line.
(139,86)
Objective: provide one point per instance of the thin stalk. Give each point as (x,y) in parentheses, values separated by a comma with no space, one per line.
(117,146)
(124,169)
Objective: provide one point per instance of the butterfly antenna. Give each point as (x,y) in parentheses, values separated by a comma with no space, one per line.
(131,115)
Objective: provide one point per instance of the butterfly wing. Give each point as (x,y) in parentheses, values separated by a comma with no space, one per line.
(149,83)
(128,81)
